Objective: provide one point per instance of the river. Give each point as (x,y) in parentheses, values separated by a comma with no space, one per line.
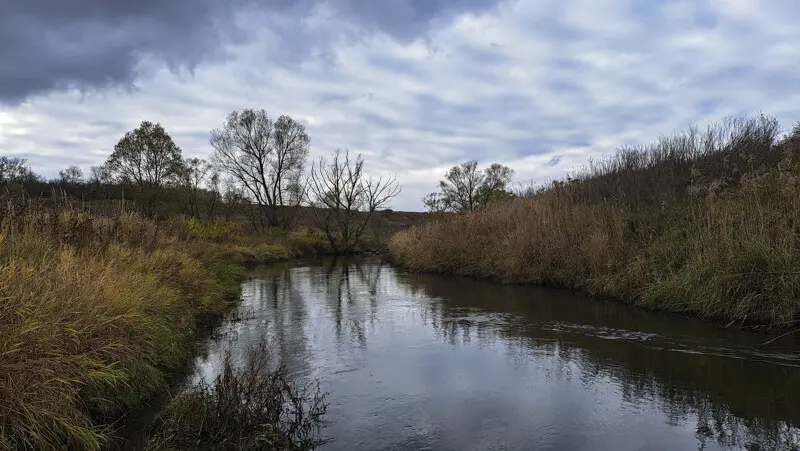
(422,362)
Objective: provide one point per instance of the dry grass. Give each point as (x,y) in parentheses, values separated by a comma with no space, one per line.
(96,312)
(100,305)
(704,224)
(273,246)
(247,406)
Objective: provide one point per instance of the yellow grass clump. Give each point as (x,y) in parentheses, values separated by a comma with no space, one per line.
(95,313)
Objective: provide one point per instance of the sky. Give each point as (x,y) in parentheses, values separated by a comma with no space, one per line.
(415,86)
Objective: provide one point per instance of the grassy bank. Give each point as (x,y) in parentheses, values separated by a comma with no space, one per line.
(96,312)
(700,223)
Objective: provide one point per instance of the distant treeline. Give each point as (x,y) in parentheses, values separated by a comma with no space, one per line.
(258,168)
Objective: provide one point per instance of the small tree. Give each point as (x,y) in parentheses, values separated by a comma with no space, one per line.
(16,170)
(465,188)
(232,198)
(99,175)
(266,158)
(344,198)
(214,197)
(195,171)
(71,175)
(98,182)
(147,158)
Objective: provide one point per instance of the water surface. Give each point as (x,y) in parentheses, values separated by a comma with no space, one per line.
(417,362)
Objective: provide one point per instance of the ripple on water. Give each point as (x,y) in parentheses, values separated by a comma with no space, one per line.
(427,362)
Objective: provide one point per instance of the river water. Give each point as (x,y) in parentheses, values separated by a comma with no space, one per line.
(421,362)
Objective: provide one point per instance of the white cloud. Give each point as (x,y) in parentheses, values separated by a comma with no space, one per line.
(520,85)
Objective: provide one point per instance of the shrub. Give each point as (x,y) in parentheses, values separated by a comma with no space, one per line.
(306,241)
(245,407)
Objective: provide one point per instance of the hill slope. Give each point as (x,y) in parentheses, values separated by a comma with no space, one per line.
(702,223)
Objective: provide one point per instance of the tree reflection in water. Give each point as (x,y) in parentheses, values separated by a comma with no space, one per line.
(322,317)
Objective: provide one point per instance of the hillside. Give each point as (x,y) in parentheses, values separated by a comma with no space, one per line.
(700,223)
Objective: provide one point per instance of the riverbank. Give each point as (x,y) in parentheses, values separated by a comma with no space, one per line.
(590,374)
(97,312)
(704,224)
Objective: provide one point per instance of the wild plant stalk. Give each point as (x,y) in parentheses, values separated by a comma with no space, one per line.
(247,406)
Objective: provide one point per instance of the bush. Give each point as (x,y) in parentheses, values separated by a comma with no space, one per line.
(247,407)
(307,241)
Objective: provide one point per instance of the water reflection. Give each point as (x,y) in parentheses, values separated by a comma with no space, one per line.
(428,362)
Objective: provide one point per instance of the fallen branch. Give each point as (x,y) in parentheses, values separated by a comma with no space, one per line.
(772,340)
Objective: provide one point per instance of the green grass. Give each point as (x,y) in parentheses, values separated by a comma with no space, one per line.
(704,224)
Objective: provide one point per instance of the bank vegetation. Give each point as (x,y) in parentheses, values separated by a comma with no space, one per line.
(107,282)
(704,223)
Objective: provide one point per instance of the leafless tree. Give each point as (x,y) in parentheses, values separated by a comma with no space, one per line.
(214,197)
(16,170)
(344,198)
(70,175)
(195,172)
(465,188)
(99,175)
(232,198)
(266,158)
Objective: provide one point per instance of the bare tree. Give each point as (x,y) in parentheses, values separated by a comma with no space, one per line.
(495,184)
(344,198)
(99,175)
(16,170)
(147,158)
(98,182)
(465,188)
(233,198)
(214,197)
(266,158)
(195,171)
(71,175)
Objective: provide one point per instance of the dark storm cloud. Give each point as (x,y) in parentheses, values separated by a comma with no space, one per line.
(54,44)
(49,45)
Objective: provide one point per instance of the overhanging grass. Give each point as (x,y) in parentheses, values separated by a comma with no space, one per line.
(97,312)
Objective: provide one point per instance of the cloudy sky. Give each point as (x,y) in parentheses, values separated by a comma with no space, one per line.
(415,86)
